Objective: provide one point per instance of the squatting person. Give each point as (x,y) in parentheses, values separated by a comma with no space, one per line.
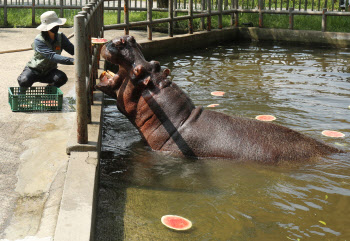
(48,46)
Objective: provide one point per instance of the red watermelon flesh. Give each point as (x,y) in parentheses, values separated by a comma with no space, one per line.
(99,40)
(176,222)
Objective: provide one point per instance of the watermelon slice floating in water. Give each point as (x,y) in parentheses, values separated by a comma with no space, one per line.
(217,93)
(265,117)
(332,133)
(99,40)
(213,105)
(176,222)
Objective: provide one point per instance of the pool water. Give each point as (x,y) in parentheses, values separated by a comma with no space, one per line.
(306,89)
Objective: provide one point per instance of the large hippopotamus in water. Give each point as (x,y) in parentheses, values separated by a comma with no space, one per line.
(168,120)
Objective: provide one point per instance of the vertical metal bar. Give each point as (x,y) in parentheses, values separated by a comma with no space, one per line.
(293,4)
(325,3)
(119,10)
(305,7)
(319,5)
(324,20)
(220,14)
(175,13)
(313,5)
(291,18)
(80,84)
(190,13)
(171,16)
(270,4)
(332,5)
(209,17)
(299,5)
(287,7)
(126,16)
(149,19)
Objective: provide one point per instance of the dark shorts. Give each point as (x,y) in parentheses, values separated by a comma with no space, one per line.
(29,76)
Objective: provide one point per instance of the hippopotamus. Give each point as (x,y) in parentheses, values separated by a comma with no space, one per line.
(168,120)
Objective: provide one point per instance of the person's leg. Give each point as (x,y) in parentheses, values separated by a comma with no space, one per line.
(27,77)
(55,78)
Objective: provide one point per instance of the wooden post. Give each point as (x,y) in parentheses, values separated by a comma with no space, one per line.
(80,79)
(291,18)
(209,17)
(261,20)
(220,14)
(5,12)
(61,8)
(190,13)
(149,18)
(202,26)
(324,20)
(126,16)
(236,14)
(119,10)
(171,16)
(33,13)
(232,14)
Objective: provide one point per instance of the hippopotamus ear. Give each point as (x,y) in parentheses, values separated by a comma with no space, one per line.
(166,72)
(146,80)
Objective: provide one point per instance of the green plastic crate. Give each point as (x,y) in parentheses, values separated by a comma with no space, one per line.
(45,98)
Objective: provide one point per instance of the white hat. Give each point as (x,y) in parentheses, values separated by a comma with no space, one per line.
(50,20)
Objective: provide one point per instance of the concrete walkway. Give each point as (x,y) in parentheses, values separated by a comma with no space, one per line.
(33,159)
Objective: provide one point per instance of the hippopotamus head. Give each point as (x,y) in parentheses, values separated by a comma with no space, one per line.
(134,72)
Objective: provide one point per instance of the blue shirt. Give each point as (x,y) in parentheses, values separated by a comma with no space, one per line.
(51,55)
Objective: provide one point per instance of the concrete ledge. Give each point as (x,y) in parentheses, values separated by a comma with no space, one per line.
(340,40)
(77,205)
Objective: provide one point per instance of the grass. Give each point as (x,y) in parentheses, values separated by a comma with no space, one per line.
(23,18)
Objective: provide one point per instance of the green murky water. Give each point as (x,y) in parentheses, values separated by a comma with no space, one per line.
(307,89)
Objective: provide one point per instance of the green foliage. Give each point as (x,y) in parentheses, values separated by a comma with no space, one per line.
(23,18)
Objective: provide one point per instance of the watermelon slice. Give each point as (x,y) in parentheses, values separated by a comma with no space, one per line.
(49,102)
(265,117)
(332,133)
(217,93)
(176,222)
(213,105)
(98,40)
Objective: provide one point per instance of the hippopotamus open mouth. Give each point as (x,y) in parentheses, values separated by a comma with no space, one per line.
(168,120)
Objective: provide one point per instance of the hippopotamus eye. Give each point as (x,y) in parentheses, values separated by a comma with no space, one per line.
(131,39)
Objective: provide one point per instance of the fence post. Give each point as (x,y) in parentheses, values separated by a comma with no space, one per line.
(33,13)
(190,13)
(5,12)
(61,8)
(171,16)
(202,23)
(291,18)
(209,17)
(324,20)
(236,13)
(261,20)
(220,14)
(149,18)
(126,16)
(80,78)
(119,10)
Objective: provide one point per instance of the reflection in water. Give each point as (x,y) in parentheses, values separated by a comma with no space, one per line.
(306,89)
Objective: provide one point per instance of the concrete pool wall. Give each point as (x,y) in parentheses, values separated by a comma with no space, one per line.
(76,215)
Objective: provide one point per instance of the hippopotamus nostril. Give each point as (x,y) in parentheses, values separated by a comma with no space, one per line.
(155,66)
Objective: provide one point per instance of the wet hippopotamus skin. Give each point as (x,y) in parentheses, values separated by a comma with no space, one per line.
(168,120)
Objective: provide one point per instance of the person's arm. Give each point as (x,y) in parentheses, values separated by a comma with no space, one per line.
(48,53)
(67,45)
